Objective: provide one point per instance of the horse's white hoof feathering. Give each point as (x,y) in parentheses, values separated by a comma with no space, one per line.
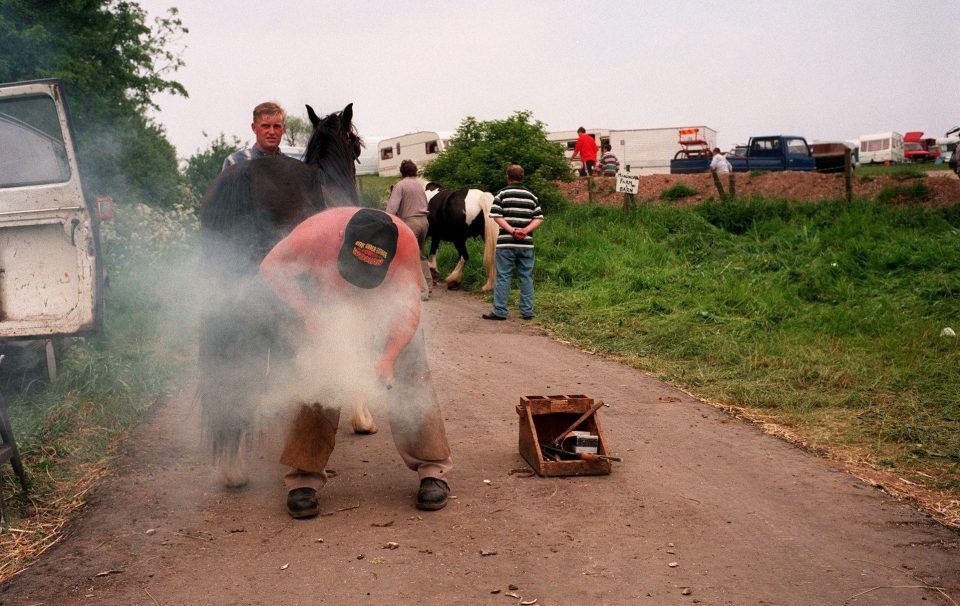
(362,420)
(233,471)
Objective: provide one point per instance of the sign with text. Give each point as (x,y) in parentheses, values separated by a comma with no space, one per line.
(628,183)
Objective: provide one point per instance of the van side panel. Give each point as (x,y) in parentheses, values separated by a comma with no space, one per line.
(49,266)
(43,279)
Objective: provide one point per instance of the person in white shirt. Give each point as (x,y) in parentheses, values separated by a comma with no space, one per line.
(719,163)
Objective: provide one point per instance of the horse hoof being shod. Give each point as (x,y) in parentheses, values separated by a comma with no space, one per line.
(362,420)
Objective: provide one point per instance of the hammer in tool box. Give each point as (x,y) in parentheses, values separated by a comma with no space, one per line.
(577,423)
(554,448)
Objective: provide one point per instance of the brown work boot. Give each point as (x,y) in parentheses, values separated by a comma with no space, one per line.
(432,494)
(302,503)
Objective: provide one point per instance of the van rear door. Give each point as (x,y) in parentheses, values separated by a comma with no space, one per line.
(49,270)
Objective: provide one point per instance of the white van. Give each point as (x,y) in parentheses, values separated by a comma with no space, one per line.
(422,147)
(50,279)
(881,148)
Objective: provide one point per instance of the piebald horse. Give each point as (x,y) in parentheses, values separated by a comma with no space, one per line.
(454,216)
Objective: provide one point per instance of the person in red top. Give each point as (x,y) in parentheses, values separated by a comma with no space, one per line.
(353,276)
(586,150)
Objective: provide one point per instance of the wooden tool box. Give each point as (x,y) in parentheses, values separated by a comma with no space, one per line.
(543,419)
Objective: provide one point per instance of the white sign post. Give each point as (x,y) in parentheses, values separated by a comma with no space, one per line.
(628,183)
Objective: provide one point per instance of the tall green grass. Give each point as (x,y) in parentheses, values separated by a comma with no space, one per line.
(826,317)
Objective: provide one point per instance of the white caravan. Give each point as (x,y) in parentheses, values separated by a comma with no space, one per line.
(881,148)
(647,151)
(50,278)
(422,147)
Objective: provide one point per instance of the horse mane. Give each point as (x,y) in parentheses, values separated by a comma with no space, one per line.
(336,161)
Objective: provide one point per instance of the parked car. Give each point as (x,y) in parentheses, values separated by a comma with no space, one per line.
(768,153)
(915,147)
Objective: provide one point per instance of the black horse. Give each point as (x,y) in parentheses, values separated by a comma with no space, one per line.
(248,209)
(456,215)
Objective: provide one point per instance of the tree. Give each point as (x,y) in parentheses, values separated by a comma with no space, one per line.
(480,153)
(204,166)
(298,131)
(113,64)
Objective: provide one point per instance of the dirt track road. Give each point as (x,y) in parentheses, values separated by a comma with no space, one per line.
(746,518)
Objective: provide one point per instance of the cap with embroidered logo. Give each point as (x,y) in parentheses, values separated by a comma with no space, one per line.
(369,246)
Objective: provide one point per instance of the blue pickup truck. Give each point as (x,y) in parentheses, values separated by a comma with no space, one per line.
(770,153)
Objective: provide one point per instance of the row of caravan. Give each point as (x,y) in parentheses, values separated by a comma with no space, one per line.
(382,157)
(646,151)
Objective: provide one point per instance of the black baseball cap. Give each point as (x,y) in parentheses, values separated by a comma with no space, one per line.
(369,246)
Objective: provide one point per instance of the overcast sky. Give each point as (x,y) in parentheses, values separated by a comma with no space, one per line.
(824,69)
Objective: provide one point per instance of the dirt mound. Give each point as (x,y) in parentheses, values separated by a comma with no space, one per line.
(811,187)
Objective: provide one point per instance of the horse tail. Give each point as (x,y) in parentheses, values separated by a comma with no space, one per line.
(232,343)
(490,233)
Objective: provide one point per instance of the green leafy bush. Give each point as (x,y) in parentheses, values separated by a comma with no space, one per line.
(203,166)
(113,60)
(481,151)
(139,235)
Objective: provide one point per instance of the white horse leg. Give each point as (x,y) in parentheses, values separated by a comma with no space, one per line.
(432,265)
(456,276)
(232,468)
(362,420)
